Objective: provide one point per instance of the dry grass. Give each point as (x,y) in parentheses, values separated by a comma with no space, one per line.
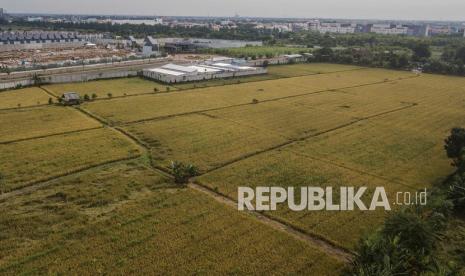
(24,162)
(129,220)
(28,123)
(23,97)
(117,87)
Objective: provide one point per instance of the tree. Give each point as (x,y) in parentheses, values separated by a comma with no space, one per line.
(404,246)
(403,61)
(94,96)
(324,54)
(37,80)
(182,172)
(110,95)
(50,101)
(455,147)
(459,54)
(421,51)
(415,233)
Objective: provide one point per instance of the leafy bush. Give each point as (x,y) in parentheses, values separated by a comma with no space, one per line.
(455,146)
(182,172)
(457,190)
(404,246)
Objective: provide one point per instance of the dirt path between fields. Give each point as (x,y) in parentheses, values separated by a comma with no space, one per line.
(333,250)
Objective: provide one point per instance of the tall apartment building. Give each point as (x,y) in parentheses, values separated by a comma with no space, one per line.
(389,29)
(332,27)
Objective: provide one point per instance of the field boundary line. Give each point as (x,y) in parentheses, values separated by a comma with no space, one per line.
(290,142)
(270,132)
(49,135)
(164,117)
(314,240)
(93,116)
(37,184)
(23,107)
(50,93)
(361,172)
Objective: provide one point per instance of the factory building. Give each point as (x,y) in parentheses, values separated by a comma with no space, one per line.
(151,47)
(172,73)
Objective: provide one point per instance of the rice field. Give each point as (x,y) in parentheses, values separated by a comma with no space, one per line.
(23,163)
(291,168)
(205,141)
(297,70)
(152,106)
(116,87)
(405,146)
(24,97)
(127,219)
(301,125)
(41,121)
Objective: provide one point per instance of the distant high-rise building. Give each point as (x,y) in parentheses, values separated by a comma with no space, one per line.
(1,13)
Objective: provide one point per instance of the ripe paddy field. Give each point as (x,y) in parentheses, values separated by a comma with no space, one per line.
(89,188)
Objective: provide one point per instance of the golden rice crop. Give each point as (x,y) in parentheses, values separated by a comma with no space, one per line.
(41,121)
(23,97)
(126,219)
(23,163)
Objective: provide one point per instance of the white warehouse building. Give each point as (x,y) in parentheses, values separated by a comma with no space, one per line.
(173,73)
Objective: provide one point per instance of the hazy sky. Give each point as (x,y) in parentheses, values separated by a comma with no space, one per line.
(359,9)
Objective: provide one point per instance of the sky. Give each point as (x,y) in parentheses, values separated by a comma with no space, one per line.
(352,9)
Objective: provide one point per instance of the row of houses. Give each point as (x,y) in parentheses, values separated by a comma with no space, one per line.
(213,69)
(38,37)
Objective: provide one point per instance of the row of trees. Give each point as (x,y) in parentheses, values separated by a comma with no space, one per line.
(419,56)
(407,243)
